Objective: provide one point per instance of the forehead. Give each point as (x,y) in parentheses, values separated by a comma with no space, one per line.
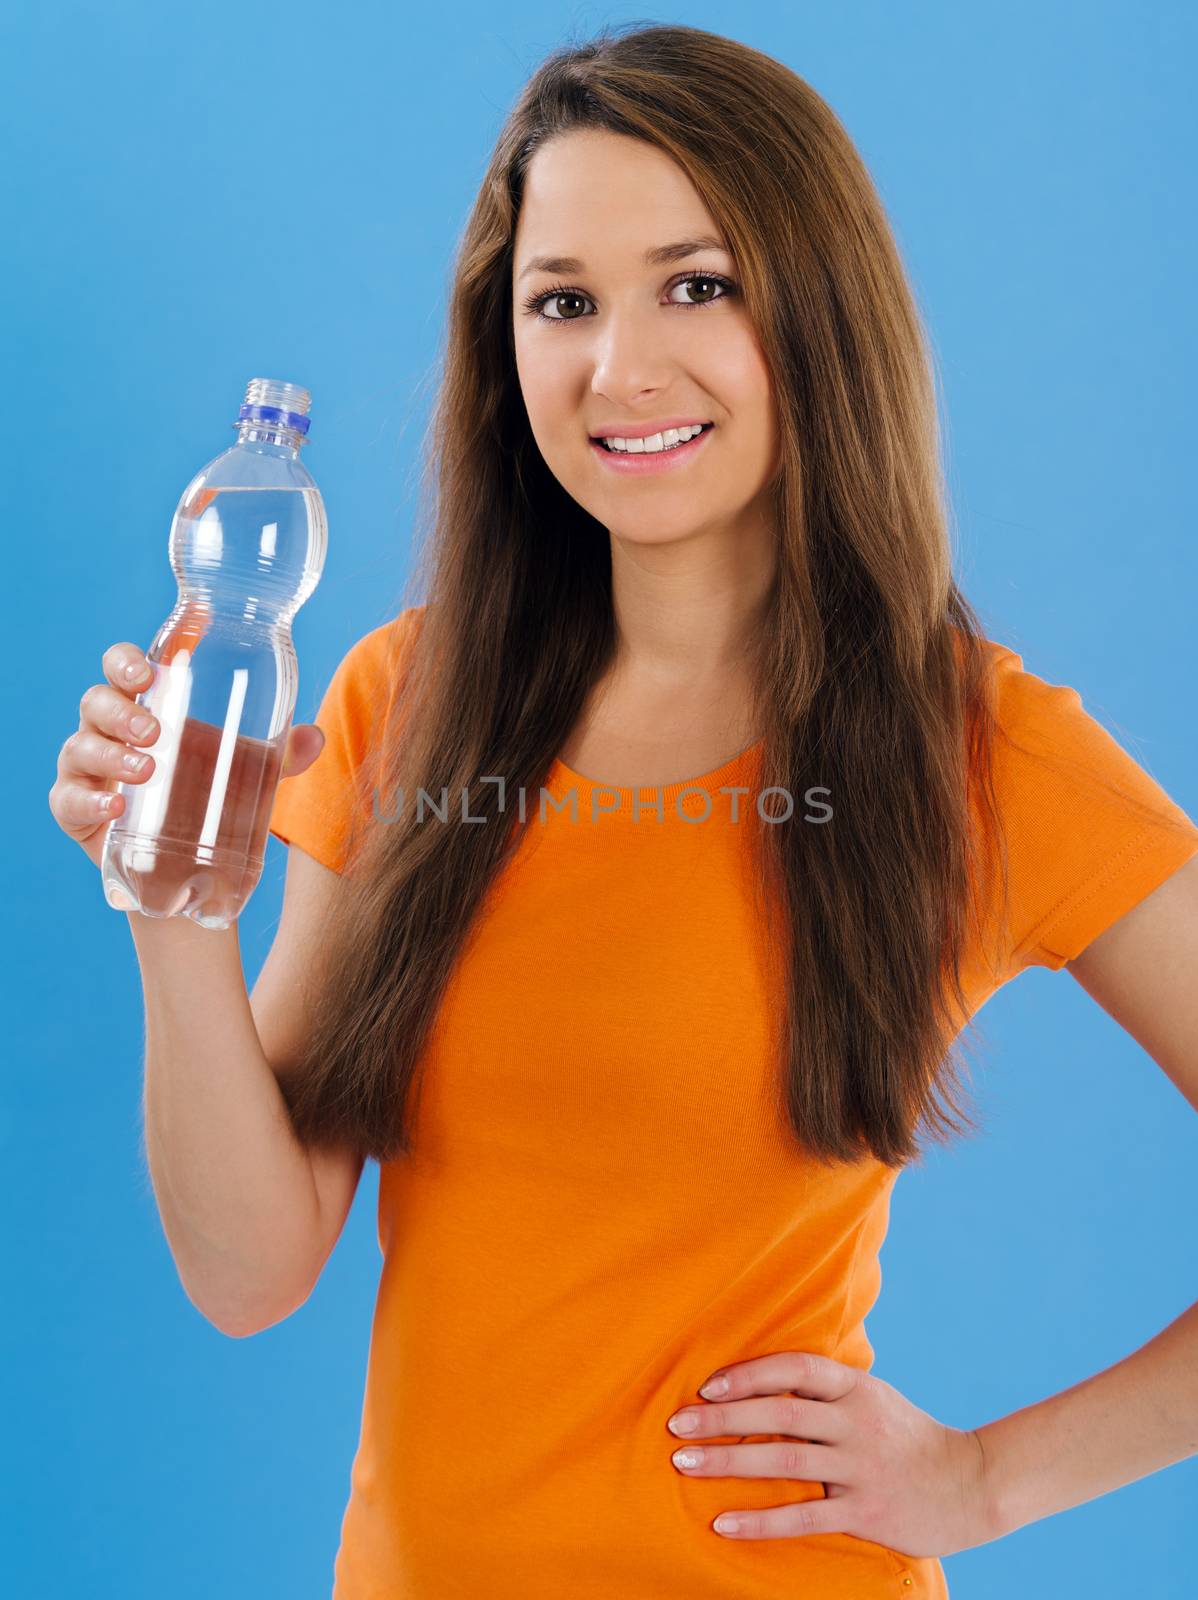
(605,198)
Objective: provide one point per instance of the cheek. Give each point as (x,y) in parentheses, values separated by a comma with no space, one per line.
(546,392)
(738,379)
(737,374)
(755,401)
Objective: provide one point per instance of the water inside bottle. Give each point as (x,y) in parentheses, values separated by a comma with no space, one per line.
(191,840)
(197,847)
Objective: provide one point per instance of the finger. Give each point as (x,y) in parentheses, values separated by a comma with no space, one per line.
(110,712)
(818,1377)
(788,1458)
(787,1521)
(126,667)
(89,755)
(79,806)
(773,1413)
(304,744)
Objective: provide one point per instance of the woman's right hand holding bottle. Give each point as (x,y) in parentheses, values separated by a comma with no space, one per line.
(107,749)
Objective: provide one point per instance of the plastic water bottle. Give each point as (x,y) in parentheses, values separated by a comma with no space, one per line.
(247,547)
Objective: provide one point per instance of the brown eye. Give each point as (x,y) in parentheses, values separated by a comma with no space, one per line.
(710,286)
(565,304)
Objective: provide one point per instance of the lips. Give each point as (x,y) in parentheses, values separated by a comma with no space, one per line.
(602,439)
(651,463)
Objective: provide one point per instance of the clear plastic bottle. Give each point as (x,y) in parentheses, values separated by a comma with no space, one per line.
(247,546)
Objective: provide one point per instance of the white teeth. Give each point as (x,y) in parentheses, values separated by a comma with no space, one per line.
(656,441)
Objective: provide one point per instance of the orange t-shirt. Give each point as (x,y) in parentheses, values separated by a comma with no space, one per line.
(602,1207)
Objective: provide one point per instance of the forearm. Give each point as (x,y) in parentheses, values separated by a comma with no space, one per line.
(234,1188)
(1119,1425)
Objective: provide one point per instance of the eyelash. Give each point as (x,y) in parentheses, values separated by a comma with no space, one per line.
(535,301)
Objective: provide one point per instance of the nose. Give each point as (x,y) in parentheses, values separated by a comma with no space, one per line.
(629,365)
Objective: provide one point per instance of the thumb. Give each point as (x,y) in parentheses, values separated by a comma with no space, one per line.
(304,744)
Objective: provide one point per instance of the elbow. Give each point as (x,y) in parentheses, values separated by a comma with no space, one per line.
(238,1330)
(246,1327)
(248,1302)
(242,1321)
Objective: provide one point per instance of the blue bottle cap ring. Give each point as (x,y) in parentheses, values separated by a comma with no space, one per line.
(288,419)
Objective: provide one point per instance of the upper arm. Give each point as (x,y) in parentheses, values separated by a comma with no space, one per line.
(1143,971)
(280,1010)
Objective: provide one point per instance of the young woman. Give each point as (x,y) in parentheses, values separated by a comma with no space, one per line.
(641,1053)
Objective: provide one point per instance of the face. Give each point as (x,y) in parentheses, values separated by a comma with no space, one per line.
(615,342)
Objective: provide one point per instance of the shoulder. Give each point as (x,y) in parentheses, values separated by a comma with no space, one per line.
(387,645)
(367,685)
(369,673)
(1063,776)
(1038,716)
(1016,688)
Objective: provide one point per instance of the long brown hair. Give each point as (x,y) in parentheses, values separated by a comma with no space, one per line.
(872,665)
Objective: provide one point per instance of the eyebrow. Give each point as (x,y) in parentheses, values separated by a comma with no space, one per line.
(658,256)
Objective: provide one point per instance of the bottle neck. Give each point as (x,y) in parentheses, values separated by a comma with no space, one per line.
(270,437)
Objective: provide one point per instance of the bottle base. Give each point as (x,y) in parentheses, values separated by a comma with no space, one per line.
(162,880)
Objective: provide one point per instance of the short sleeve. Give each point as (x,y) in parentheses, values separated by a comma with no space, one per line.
(315,809)
(1090,833)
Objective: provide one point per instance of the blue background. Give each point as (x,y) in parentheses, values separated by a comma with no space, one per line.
(193,196)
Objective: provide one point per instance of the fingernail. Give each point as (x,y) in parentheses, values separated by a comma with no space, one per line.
(132,670)
(684,1422)
(714,1388)
(140,726)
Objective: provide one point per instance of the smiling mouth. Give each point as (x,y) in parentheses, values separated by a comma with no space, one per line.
(665,449)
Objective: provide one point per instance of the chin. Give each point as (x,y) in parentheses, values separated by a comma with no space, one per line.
(661,530)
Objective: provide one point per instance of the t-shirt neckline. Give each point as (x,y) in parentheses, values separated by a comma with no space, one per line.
(563,778)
